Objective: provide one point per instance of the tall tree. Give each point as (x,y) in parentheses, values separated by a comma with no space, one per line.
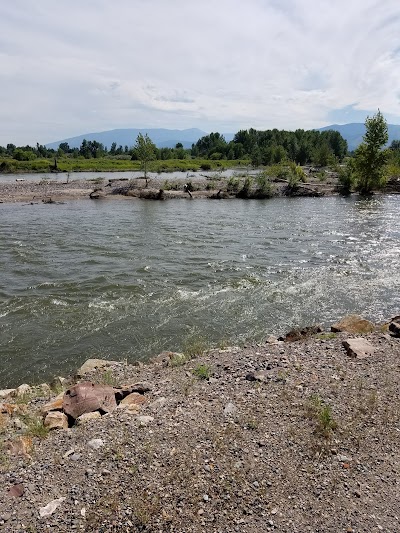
(371,157)
(145,150)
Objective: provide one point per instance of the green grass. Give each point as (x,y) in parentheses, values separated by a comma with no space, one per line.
(321,413)
(114,164)
(195,345)
(35,426)
(202,371)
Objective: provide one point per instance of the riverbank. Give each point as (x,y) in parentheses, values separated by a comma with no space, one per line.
(287,436)
(213,187)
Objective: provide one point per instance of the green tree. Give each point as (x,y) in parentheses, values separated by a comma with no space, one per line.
(145,150)
(370,157)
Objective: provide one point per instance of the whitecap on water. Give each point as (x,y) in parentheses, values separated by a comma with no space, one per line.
(101,305)
(58,302)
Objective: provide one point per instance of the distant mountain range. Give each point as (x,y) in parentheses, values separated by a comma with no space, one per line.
(162,137)
(127,137)
(353,133)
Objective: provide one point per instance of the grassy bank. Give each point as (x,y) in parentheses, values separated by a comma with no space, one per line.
(108,164)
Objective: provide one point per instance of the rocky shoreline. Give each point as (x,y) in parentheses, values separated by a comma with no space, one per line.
(52,191)
(293,435)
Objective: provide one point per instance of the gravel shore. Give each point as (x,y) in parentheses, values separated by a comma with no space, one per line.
(50,191)
(282,436)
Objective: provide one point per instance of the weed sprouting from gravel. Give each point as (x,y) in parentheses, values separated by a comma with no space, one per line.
(202,371)
(321,413)
(195,346)
(35,426)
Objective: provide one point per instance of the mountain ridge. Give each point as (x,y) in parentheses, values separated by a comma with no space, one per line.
(168,138)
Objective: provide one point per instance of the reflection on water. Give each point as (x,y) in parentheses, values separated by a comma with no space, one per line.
(129,279)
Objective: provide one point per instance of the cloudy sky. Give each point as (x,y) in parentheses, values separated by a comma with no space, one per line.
(79,66)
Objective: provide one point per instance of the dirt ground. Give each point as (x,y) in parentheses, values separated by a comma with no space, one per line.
(280,436)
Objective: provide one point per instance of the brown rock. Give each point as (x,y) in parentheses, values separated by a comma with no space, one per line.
(56,420)
(134,399)
(125,390)
(86,397)
(21,446)
(300,334)
(358,348)
(16,491)
(353,324)
(54,405)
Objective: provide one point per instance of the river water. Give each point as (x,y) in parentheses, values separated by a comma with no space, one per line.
(128,279)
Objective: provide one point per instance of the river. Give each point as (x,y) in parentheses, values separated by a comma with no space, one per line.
(128,279)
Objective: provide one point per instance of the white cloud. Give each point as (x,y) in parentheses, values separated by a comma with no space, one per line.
(73,67)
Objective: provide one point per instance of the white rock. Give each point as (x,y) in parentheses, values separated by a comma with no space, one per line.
(6,392)
(358,347)
(96,444)
(49,509)
(92,364)
(145,420)
(22,389)
(230,409)
(87,417)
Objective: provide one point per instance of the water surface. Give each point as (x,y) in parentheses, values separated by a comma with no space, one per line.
(125,280)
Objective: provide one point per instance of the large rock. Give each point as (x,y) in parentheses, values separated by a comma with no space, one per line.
(358,348)
(134,399)
(86,397)
(56,404)
(56,420)
(300,334)
(93,364)
(353,324)
(394,327)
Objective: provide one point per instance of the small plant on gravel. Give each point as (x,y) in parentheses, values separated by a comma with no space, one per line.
(107,378)
(35,426)
(251,424)
(321,413)
(202,371)
(194,346)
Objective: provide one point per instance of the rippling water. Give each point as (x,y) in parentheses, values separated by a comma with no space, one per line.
(127,279)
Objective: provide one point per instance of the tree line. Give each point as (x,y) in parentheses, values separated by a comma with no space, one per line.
(260,147)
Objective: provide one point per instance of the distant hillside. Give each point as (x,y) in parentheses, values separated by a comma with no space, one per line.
(161,137)
(353,133)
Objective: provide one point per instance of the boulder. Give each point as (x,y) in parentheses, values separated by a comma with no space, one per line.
(358,348)
(56,420)
(301,334)
(134,398)
(353,324)
(93,364)
(56,404)
(86,397)
(394,327)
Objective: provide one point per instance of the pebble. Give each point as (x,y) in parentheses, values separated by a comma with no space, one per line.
(96,444)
